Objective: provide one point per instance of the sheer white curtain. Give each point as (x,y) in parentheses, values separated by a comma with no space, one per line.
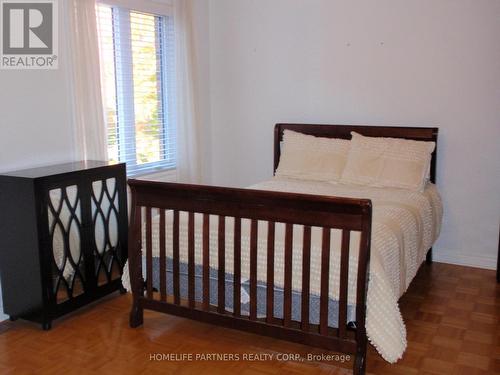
(187,117)
(84,79)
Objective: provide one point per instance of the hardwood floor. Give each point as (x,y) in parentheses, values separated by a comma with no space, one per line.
(451,313)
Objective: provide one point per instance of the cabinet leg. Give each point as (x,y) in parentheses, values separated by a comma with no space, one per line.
(136,316)
(46,326)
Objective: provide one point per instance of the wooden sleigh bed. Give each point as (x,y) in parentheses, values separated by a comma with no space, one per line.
(326,212)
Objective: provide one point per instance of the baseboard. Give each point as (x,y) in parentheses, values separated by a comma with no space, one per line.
(453,257)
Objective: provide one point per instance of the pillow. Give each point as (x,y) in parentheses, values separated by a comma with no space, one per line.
(388,162)
(312,158)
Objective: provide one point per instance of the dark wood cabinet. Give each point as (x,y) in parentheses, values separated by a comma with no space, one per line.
(63,237)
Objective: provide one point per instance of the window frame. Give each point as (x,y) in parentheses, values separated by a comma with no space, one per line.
(125,103)
(157,7)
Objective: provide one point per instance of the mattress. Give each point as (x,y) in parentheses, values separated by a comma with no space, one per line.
(405,225)
(278,302)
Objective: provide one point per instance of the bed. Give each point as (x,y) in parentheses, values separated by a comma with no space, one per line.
(286,258)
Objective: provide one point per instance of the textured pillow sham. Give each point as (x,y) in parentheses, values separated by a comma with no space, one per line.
(307,157)
(388,162)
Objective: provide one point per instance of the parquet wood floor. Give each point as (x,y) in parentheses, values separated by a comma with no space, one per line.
(451,313)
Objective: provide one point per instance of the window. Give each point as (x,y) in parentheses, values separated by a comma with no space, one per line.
(137,59)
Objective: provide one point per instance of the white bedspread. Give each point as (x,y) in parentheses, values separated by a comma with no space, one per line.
(405,225)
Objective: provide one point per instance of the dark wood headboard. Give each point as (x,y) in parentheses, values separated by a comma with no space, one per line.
(344,132)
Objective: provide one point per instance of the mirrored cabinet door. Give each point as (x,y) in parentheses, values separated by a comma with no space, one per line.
(107,248)
(65,238)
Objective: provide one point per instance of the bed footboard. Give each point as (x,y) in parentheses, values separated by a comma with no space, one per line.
(154,198)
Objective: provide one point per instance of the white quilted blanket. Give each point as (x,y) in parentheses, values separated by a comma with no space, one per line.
(405,224)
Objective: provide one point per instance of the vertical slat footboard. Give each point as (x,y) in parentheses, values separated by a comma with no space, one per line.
(191,259)
(190,208)
(306,277)
(149,254)
(221,295)
(237,268)
(206,262)
(344,268)
(175,257)
(270,272)
(253,269)
(287,298)
(325,278)
(163,258)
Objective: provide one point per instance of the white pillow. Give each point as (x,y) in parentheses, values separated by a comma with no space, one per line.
(312,158)
(388,162)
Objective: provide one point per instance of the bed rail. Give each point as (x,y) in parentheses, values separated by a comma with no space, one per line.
(273,207)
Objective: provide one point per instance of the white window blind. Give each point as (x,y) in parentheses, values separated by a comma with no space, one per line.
(137,63)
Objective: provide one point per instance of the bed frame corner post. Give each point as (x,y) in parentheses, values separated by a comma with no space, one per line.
(135,261)
(136,317)
(435,131)
(362,289)
(360,361)
(428,257)
(277,151)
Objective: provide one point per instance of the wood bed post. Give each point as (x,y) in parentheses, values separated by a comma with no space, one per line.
(135,262)
(435,132)
(362,289)
(428,257)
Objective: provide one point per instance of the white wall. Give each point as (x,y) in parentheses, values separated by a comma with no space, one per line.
(201,32)
(35,122)
(415,63)
(36,126)
(35,117)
